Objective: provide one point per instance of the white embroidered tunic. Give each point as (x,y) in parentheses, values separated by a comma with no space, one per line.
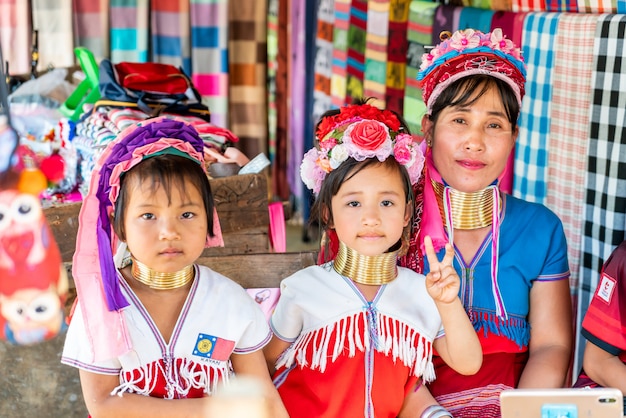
(218,318)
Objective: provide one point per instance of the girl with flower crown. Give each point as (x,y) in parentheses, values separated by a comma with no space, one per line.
(511,254)
(355,335)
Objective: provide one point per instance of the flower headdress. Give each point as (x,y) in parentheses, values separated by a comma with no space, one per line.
(469,52)
(359,131)
(94,270)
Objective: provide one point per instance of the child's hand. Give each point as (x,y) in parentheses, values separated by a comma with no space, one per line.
(442,282)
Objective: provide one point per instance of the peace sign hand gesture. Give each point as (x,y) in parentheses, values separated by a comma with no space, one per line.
(442,282)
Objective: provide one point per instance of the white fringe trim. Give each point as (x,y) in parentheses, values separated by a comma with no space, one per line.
(179,380)
(394,338)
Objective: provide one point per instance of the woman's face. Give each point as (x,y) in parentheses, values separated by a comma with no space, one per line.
(471,143)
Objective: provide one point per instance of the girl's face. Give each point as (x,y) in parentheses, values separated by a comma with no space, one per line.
(471,144)
(165,234)
(370,210)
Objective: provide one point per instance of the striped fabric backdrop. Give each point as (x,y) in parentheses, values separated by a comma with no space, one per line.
(376,40)
(129,30)
(297,93)
(53,20)
(568,143)
(604,223)
(396,54)
(169,32)
(323,58)
(91,26)
(357,33)
(209,55)
(340,52)
(528,5)
(534,123)
(601,6)
(15,32)
(272,65)
(247,53)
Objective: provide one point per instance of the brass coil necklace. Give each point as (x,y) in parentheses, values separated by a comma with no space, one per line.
(161,281)
(366,269)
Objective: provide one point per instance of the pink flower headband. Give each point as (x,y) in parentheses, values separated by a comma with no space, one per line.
(359,131)
(468,52)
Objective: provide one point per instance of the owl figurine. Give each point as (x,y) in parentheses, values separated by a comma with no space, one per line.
(33,280)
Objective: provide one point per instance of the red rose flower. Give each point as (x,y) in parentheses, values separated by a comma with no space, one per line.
(368,135)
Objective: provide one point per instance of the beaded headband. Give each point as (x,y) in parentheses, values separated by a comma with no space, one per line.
(359,131)
(468,52)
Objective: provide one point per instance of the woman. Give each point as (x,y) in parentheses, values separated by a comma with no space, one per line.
(511,255)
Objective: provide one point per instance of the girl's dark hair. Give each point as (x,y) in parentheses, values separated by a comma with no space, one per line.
(321,213)
(462,92)
(167,171)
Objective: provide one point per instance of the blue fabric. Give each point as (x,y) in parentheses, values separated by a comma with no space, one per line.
(531,158)
(473,18)
(532,247)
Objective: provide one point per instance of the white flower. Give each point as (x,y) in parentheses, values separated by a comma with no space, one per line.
(338,156)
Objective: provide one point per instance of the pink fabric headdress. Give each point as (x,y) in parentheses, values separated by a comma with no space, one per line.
(94,270)
(469,52)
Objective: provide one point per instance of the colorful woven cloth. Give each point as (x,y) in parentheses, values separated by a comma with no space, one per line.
(447,18)
(169,32)
(604,223)
(396,54)
(474,18)
(247,54)
(15,31)
(376,40)
(53,20)
(531,157)
(357,33)
(568,144)
(272,65)
(129,30)
(528,5)
(601,6)
(91,26)
(323,58)
(340,52)
(209,55)
(419,35)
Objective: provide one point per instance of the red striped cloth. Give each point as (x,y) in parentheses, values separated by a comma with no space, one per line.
(91,26)
(356,50)
(340,52)
(397,47)
(598,6)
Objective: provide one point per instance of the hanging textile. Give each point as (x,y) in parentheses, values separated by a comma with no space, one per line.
(340,52)
(247,93)
(531,157)
(446,19)
(604,222)
(568,143)
(419,35)
(169,32)
(479,19)
(512,25)
(601,6)
(53,20)
(272,64)
(15,32)
(376,40)
(323,58)
(280,184)
(129,30)
(356,50)
(528,5)
(209,56)
(91,26)
(396,54)
(297,92)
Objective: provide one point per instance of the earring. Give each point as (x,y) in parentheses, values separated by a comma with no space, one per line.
(429,142)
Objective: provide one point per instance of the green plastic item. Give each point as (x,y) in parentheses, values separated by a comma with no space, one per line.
(87,91)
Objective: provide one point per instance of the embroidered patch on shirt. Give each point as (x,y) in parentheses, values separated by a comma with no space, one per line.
(215,348)
(606,288)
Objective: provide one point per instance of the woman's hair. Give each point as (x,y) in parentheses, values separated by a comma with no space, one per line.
(467,90)
(167,171)
(321,211)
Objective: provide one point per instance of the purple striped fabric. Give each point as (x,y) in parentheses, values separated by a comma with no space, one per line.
(297,65)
